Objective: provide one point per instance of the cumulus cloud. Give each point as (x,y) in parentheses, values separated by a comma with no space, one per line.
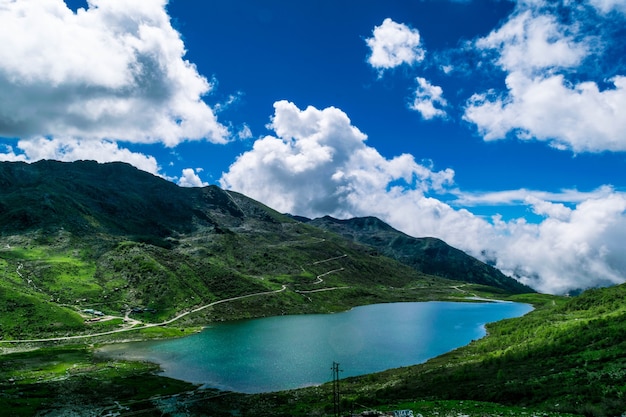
(114,71)
(549,209)
(318,163)
(394,44)
(578,117)
(545,98)
(429,100)
(72,149)
(529,41)
(570,249)
(607,6)
(190,178)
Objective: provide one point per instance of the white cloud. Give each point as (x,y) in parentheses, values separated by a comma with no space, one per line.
(539,54)
(427,97)
(70,149)
(394,44)
(571,248)
(579,117)
(245,132)
(607,6)
(520,196)
(318,164)
(527,42)
(190,178)
(114,71)
(447,69)
(549,209)
(8,154)
(574,249)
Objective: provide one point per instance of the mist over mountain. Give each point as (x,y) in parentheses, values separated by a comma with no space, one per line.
(115,198)
(80,234)
(428,255)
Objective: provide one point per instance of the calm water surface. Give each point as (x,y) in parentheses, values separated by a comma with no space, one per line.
(285,352)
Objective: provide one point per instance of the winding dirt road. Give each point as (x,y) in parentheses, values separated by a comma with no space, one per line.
(319,280)
(145,326)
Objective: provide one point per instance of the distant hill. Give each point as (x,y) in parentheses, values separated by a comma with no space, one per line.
(83,236)
(428,255)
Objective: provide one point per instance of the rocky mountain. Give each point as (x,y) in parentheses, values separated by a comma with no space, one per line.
(428,255)
(84,236)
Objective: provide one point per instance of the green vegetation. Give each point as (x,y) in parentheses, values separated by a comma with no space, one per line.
(31,316)
(568,356)
(88,249)
(428,255)
(71,381)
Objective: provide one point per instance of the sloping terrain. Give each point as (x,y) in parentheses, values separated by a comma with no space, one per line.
(567,357)
(85,237)
(428,255)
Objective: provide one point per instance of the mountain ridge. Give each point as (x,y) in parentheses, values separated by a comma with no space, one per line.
(118,207)
(426,254)
(83,234)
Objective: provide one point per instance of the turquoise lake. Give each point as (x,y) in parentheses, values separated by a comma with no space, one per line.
(278,353)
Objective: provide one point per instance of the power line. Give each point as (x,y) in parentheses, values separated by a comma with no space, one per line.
(336,393)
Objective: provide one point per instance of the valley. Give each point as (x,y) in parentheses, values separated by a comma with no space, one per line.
(160,261)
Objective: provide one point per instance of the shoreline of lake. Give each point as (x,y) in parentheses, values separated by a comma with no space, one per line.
(271,354)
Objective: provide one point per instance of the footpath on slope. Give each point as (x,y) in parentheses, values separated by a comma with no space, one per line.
(319,280)
(145,326)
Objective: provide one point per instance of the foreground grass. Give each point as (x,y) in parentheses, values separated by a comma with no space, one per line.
(567,356)
(70,379)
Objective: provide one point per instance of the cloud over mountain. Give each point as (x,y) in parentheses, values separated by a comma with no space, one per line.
(318,163)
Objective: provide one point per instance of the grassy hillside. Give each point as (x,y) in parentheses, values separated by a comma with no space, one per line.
(83,236)
(566,357)
(427,255)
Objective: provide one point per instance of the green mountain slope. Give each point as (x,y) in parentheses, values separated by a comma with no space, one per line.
(428,255)
(109,238)
(113,239)
(86,197)
(567,357)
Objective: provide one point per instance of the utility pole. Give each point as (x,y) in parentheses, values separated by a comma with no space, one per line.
(336,397)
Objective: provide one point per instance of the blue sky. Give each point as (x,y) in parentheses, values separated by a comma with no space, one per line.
(497,126)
